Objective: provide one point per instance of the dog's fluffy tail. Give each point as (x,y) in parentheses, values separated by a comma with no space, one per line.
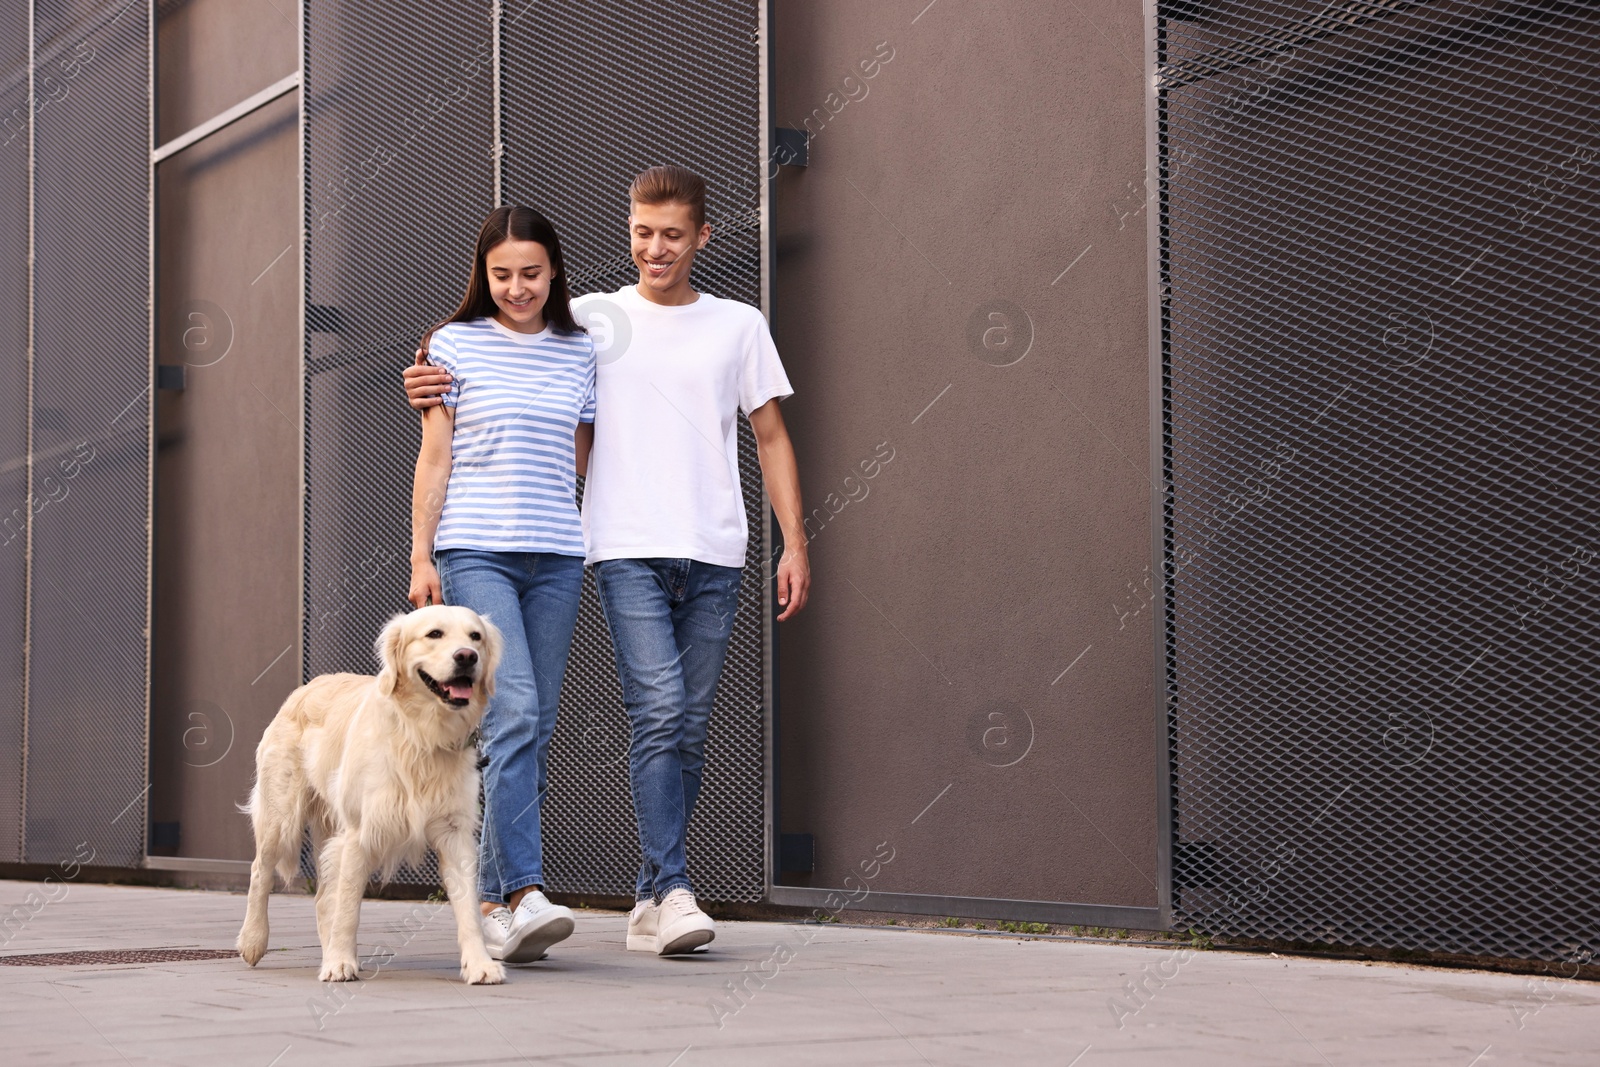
(249,806)
(277,806)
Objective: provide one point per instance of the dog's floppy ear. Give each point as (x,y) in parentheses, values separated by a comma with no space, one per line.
(388,649)
(493,646)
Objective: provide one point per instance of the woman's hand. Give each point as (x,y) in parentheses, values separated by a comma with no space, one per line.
(425,383)
(424,584)
(427,503)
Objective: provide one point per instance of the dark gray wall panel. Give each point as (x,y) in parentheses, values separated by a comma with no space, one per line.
(88,641)
(14,138)
(398,178)
(1382,531)
(400,172)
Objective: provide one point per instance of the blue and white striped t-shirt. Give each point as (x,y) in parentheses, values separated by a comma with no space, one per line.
(517,399)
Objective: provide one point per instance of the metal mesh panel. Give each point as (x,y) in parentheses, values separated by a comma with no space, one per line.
(91,425)
(399,176)
(581,119)
(1380,386)
(15,106)
(398,179)
(102,957)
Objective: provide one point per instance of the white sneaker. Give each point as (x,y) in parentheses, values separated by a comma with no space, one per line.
(642,926)
(681,926)
(535,926)
(496,925)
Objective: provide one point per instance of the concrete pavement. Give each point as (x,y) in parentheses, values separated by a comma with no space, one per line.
(768,993)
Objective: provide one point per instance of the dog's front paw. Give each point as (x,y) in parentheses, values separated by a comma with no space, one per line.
(339,970)
(483,971)
(252,945)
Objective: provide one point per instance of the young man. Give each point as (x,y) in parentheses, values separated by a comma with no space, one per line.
(664,520)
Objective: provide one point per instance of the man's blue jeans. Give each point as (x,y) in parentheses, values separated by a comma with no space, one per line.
(532,597)
(670,621)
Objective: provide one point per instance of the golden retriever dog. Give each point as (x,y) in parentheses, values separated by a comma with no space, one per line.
(379,769)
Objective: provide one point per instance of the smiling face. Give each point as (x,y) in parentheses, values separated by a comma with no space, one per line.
(448,652)
(665,239)
(453,648)
(519,275)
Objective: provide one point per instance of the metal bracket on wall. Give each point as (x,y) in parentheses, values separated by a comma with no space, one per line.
(796,853)
(791,148)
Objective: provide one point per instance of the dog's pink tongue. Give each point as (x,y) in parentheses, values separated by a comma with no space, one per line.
(459,690)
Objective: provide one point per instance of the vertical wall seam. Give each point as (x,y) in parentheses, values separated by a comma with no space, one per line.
(496,80)
(769,649)
(1155,267)
(150,440)
(304,179)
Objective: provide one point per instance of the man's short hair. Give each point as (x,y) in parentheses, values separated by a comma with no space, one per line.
(670,184)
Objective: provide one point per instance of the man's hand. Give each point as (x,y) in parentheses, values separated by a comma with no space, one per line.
(782,478)
(794,581)
(425,383)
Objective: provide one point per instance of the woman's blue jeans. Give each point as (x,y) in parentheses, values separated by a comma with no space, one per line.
(532,597)
(670,621)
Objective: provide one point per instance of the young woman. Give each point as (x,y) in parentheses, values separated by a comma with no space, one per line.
(495,528)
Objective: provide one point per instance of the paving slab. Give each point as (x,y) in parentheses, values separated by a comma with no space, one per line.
(766,993)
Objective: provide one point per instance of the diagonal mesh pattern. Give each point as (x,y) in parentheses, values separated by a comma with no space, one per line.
(399,176)
(86,740)
(100,958)
(398,179)
(1379,333)
(400,170)
(594,94)
(15,62)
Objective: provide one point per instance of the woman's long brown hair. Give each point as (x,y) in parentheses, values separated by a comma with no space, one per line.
(520,224)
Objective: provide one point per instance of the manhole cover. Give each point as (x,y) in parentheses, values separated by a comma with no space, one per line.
(126,955)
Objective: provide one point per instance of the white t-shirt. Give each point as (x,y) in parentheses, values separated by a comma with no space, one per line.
(664,474)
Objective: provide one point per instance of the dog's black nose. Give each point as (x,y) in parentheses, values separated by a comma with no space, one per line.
(465,657)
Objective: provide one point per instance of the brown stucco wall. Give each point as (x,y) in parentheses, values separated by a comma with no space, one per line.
(226,613)
(1009,536)
(211,54)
